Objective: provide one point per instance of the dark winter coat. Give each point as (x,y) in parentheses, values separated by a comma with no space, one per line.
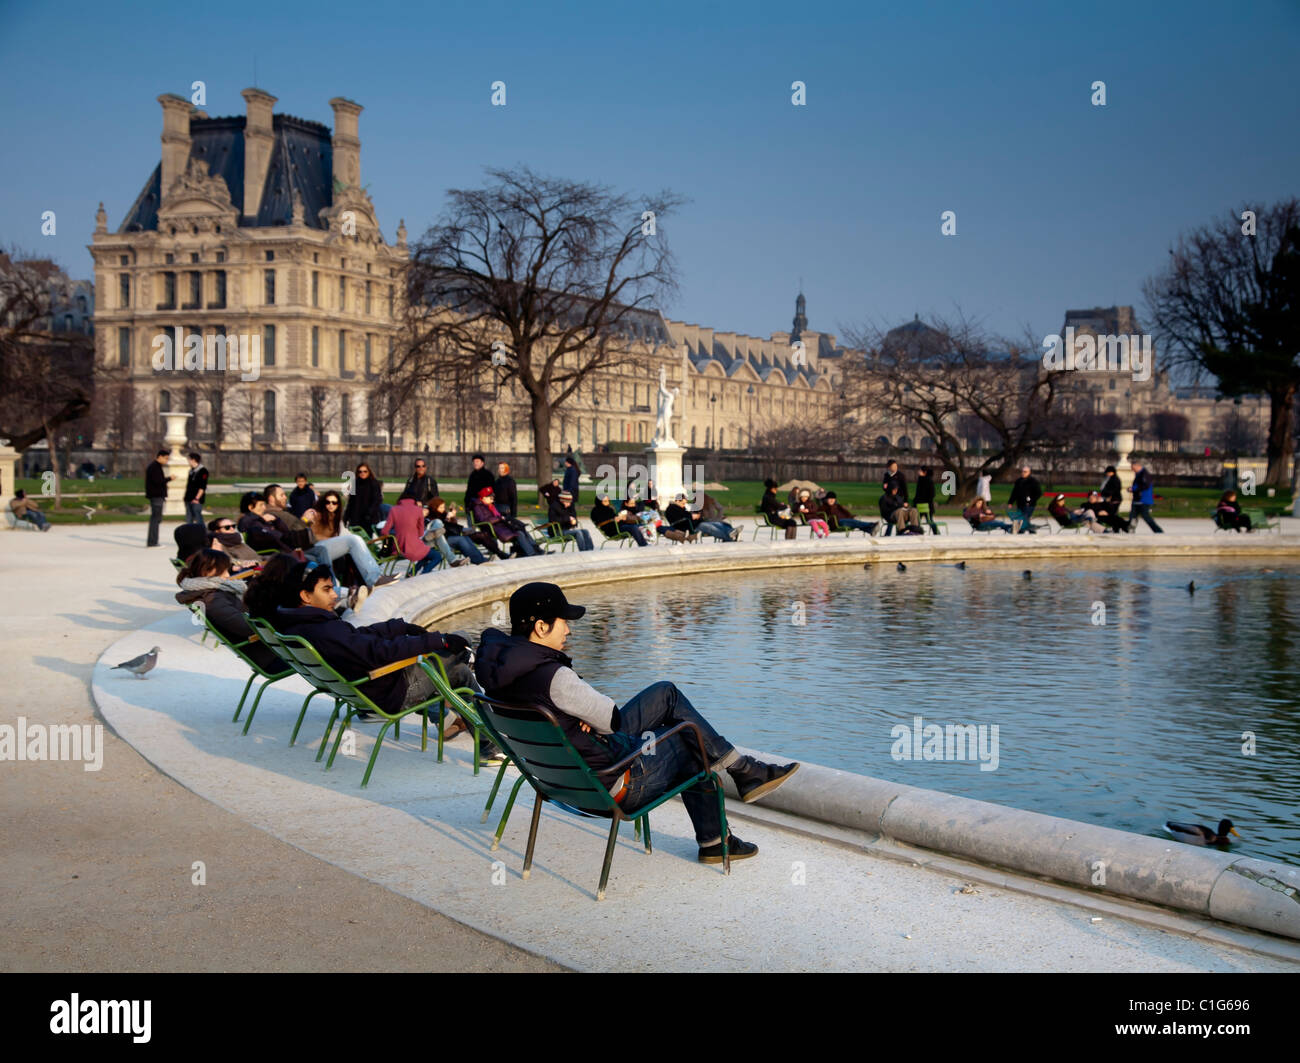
(225,609)
(506,493)
(1025,493)
(364,502)
(900,480)
(301,499)
(155,481)
(478,479)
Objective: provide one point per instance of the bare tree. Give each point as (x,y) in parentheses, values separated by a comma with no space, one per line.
(962,388)
(1229,305)
(1234,433)
(538,278)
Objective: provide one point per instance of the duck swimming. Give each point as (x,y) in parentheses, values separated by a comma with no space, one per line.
(1196,834)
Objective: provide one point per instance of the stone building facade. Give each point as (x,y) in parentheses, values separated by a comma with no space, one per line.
(253,234)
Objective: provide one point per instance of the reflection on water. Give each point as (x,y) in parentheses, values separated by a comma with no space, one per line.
(1124,723)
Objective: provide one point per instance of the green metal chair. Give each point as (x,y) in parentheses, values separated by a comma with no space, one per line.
(1261,521)
(349,694)
(923,509)
(386,557)
(239,649)
(766,524)
(621,537)
(278,644)
(557,773)
(548,535)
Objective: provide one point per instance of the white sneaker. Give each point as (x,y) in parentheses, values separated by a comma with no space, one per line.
(358,597)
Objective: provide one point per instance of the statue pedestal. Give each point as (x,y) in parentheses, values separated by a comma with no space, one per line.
(178,465)
(1124,439)
(8,473)
(664,460)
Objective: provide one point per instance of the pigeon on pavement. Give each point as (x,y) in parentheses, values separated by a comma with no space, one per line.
(137,666)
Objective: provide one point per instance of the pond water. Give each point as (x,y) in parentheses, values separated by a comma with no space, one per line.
(1118,697)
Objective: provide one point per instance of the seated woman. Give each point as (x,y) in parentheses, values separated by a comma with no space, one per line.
(778,513)
(982,518)
(809,511)
(1072,518)
(1107,512)
(1228,514)
(466,540)
(206,578)
(611,522)
(365,507)
(639,515)
(506,529)
(334,541)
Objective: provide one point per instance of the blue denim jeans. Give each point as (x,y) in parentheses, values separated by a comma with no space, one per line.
(719,529)
(580,536)
(525,543)
(155,520)
(1144,511)
(429,562)
(328,550)
(433,534)
(1024,516)
(853,522)
(670,762)
(465,545)
(193,512)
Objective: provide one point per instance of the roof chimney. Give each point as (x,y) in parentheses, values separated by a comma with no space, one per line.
(258,141)
(175,139)
(346,143)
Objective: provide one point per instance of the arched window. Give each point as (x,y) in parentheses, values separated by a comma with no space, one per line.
(164,401)
(692,435)
(905,442)
(882,441)
(268,412)
(722,435)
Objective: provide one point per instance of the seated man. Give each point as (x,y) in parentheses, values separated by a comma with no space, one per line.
(528,667)
(838,516)
(897,513)
(25,509)
(778,513)
(561,512)
(277,506)
(608,520)
(261,530)
(353,652)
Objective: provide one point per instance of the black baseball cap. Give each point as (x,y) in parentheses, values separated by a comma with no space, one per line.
(541,601)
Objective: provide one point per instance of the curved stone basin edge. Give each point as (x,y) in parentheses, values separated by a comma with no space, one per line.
(1261,894)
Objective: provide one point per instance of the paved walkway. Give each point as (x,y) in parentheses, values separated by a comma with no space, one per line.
(413,840)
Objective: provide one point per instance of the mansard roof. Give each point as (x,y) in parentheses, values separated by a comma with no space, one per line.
(302,161)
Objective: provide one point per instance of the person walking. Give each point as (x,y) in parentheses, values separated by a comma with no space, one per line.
(1144,497)
(155,490)
(196,490)
(571,478)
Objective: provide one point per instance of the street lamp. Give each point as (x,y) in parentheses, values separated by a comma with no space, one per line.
(713,404)
(752,400)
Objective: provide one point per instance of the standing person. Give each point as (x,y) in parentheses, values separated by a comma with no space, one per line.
(365,504)
(479,478)
(777,511)
(1144,497)
(925,496)
(422,486)
(571,476)
(984,487)
(529,667)
(506,491)
(25,509)
(1025,493)
(196,490)
(302,497)
(155,490)
(893,476)
(1111,489)
(561,512)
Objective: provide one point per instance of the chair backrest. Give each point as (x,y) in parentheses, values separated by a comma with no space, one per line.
(238,648)
(535,742)
(459,700)
(923,509)
(303,658)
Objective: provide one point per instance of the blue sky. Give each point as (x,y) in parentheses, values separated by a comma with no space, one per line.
(912,109)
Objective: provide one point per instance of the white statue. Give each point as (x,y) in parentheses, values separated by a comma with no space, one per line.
(664,419)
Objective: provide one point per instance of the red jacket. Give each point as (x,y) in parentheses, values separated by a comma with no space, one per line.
(406,522)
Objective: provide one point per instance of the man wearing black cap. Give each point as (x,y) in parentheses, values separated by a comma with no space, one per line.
(529,667)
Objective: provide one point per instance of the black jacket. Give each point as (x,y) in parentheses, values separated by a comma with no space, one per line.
(262,534)
(889,505)
(679,517)
(519,672)
(354,651)
(478,479)
(604,517)
(1112,490)
(570,481)
(506,493)
(227,613)
(896,478)
(196,481)
(558,513)
(1025,492)
(155,481)
(363,504)
(924,492)
(424,487)
(301,499)
(771,505)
